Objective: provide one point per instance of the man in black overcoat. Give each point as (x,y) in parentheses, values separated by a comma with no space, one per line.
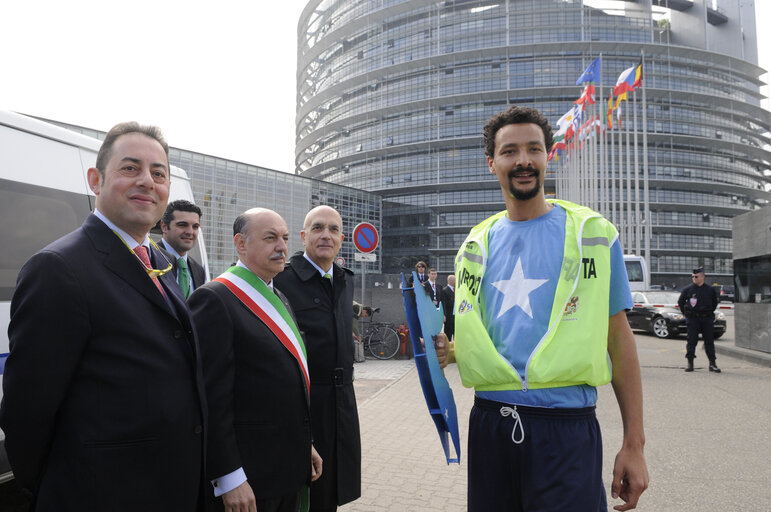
(321,294)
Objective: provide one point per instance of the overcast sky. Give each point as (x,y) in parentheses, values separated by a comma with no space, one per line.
(217,77)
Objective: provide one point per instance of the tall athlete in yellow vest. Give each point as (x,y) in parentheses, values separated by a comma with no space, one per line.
(540,321)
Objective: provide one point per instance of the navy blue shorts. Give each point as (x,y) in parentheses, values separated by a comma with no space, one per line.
(533,459)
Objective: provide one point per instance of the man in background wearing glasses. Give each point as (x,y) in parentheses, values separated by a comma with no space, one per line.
(103,405)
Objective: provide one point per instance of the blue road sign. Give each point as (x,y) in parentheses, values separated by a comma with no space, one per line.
(365,237)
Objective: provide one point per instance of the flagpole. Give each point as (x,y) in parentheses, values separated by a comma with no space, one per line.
(583,143)
(622,194)
(601,157)
(636,224)
(596,171)
(627,162)
(648,221)
(611,169)
(612,175)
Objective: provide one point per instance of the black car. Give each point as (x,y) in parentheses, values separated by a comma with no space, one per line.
(727,293)
(657,313)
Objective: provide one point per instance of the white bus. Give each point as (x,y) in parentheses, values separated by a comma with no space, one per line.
(43,196)
(637,271)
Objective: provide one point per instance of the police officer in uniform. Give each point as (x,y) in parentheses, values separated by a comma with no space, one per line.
(698,302)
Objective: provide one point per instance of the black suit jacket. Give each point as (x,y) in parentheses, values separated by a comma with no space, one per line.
(435,293)
(260,413)
(422,278)
(196,269)
(104,405)
(448,301)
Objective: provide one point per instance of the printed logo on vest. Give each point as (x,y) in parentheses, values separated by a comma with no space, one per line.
(464,307)
(571,308)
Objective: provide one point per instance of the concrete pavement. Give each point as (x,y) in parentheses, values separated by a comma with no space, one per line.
(708,435)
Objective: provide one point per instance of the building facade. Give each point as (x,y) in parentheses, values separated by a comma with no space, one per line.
(224,188)
(392,96)
(752,280)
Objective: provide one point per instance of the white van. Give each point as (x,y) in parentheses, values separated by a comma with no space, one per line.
(637,271)
(43,196)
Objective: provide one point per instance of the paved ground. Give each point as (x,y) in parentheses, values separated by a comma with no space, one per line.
(708,442)
(708,436)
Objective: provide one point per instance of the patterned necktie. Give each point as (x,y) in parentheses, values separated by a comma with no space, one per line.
(141,252)
(183,277)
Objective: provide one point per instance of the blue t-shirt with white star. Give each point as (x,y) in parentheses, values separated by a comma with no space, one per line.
(523,266)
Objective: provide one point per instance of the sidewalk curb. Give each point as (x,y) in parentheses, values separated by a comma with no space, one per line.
(745,354)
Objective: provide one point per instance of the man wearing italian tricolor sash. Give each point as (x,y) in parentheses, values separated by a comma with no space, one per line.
(260,455)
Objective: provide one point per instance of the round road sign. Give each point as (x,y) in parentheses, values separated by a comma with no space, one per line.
(365,237)
(340,260)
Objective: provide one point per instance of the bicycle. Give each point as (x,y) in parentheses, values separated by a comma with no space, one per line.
(381,338)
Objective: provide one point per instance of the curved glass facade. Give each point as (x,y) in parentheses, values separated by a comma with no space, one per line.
(392,96)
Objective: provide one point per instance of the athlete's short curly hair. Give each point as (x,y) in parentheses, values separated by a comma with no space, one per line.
(516,115)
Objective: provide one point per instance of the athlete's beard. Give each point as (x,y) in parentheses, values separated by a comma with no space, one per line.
(524,195)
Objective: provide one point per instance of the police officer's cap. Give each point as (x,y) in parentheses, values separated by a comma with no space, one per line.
(699,270)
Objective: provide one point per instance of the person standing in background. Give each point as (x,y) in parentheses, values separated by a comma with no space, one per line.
(698,302)
(180,225)
(448,303)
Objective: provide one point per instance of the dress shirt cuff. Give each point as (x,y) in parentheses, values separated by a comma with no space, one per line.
(228,482)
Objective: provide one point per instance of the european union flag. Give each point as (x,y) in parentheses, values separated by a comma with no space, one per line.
(592,73)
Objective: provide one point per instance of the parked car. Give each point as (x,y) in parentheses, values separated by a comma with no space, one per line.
(727,293)
(657,312)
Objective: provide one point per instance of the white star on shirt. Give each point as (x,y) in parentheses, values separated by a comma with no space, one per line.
(516,290)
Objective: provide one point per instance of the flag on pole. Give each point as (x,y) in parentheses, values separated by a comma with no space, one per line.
(587,97)
(556,151)
(566,123)
(621,97)
(629,80)
(610,111)
(592,73)
(566,119)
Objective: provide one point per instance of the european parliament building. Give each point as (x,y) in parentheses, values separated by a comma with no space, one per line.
(392,96)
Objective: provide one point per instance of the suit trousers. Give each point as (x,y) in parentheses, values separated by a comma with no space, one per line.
(705,326)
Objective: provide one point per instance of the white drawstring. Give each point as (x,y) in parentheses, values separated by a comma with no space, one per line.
(508,411)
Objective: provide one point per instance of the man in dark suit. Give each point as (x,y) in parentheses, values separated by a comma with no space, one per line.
(256,373)
(448,303)
(420,268)
(433,289)
(321,294)
(104,405)
(180,224)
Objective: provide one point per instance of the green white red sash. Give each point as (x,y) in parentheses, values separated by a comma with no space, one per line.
(266,305)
